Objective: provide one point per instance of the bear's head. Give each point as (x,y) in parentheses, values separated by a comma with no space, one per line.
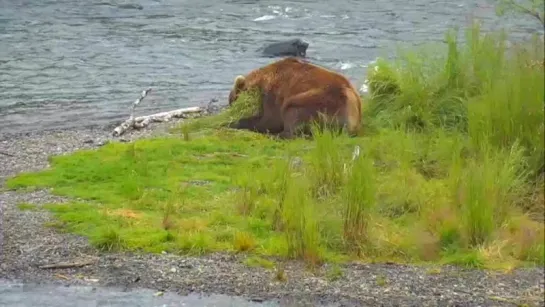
(238,86)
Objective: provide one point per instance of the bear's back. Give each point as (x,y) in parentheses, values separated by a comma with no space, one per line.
(297,75)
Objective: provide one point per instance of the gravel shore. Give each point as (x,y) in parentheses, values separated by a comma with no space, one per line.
(26,244)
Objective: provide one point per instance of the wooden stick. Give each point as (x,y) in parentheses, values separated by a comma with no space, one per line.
(355,155)
(539,17)
(144,121)
(62,276)
(130,122)
(6,154)
(67,265)
(137,101)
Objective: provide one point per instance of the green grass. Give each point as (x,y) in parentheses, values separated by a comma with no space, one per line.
(26,207)
(245,106)
(256,261)
(334,273)
(450,171)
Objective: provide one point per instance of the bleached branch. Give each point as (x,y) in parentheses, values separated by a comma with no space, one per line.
(144,121)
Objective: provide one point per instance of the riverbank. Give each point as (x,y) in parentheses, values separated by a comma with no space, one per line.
(432,179)
(28,244)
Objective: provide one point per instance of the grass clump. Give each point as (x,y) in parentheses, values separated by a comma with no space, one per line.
(334,273)
(301,223)
(108,240)
(244,241)
(485,192)
(359,198)
(255,261)
(451,172)
(246,105)
(26,207)
(483,89)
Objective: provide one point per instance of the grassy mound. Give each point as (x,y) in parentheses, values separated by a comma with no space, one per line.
(450,170)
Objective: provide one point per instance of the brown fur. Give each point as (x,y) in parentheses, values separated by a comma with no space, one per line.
(294,93)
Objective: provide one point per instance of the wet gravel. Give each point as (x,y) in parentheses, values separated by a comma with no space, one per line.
(26,244)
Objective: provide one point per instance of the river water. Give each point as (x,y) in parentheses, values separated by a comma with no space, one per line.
(71,63)
(29,295)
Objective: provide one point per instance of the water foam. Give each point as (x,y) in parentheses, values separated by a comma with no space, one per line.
(265,17)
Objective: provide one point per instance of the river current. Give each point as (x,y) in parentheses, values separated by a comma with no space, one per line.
(71,63)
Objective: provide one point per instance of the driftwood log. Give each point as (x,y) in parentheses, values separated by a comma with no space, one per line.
(5,153)
(144,121)
(68,265)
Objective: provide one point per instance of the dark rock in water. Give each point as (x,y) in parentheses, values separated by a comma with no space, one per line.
(257,300)
(292,47)
(129,6)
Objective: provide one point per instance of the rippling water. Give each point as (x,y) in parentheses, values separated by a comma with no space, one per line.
(33,295)
(68,62)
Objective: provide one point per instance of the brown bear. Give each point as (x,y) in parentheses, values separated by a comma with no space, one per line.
(294,93)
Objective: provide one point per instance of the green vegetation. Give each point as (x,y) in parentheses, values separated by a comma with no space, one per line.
(255,261)
(245,106)
(381,281)
(450,170)
(334,273)
(26,207)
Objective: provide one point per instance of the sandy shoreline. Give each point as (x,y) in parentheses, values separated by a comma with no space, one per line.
(28,244)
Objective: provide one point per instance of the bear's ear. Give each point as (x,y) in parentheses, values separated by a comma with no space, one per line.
(239,83)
